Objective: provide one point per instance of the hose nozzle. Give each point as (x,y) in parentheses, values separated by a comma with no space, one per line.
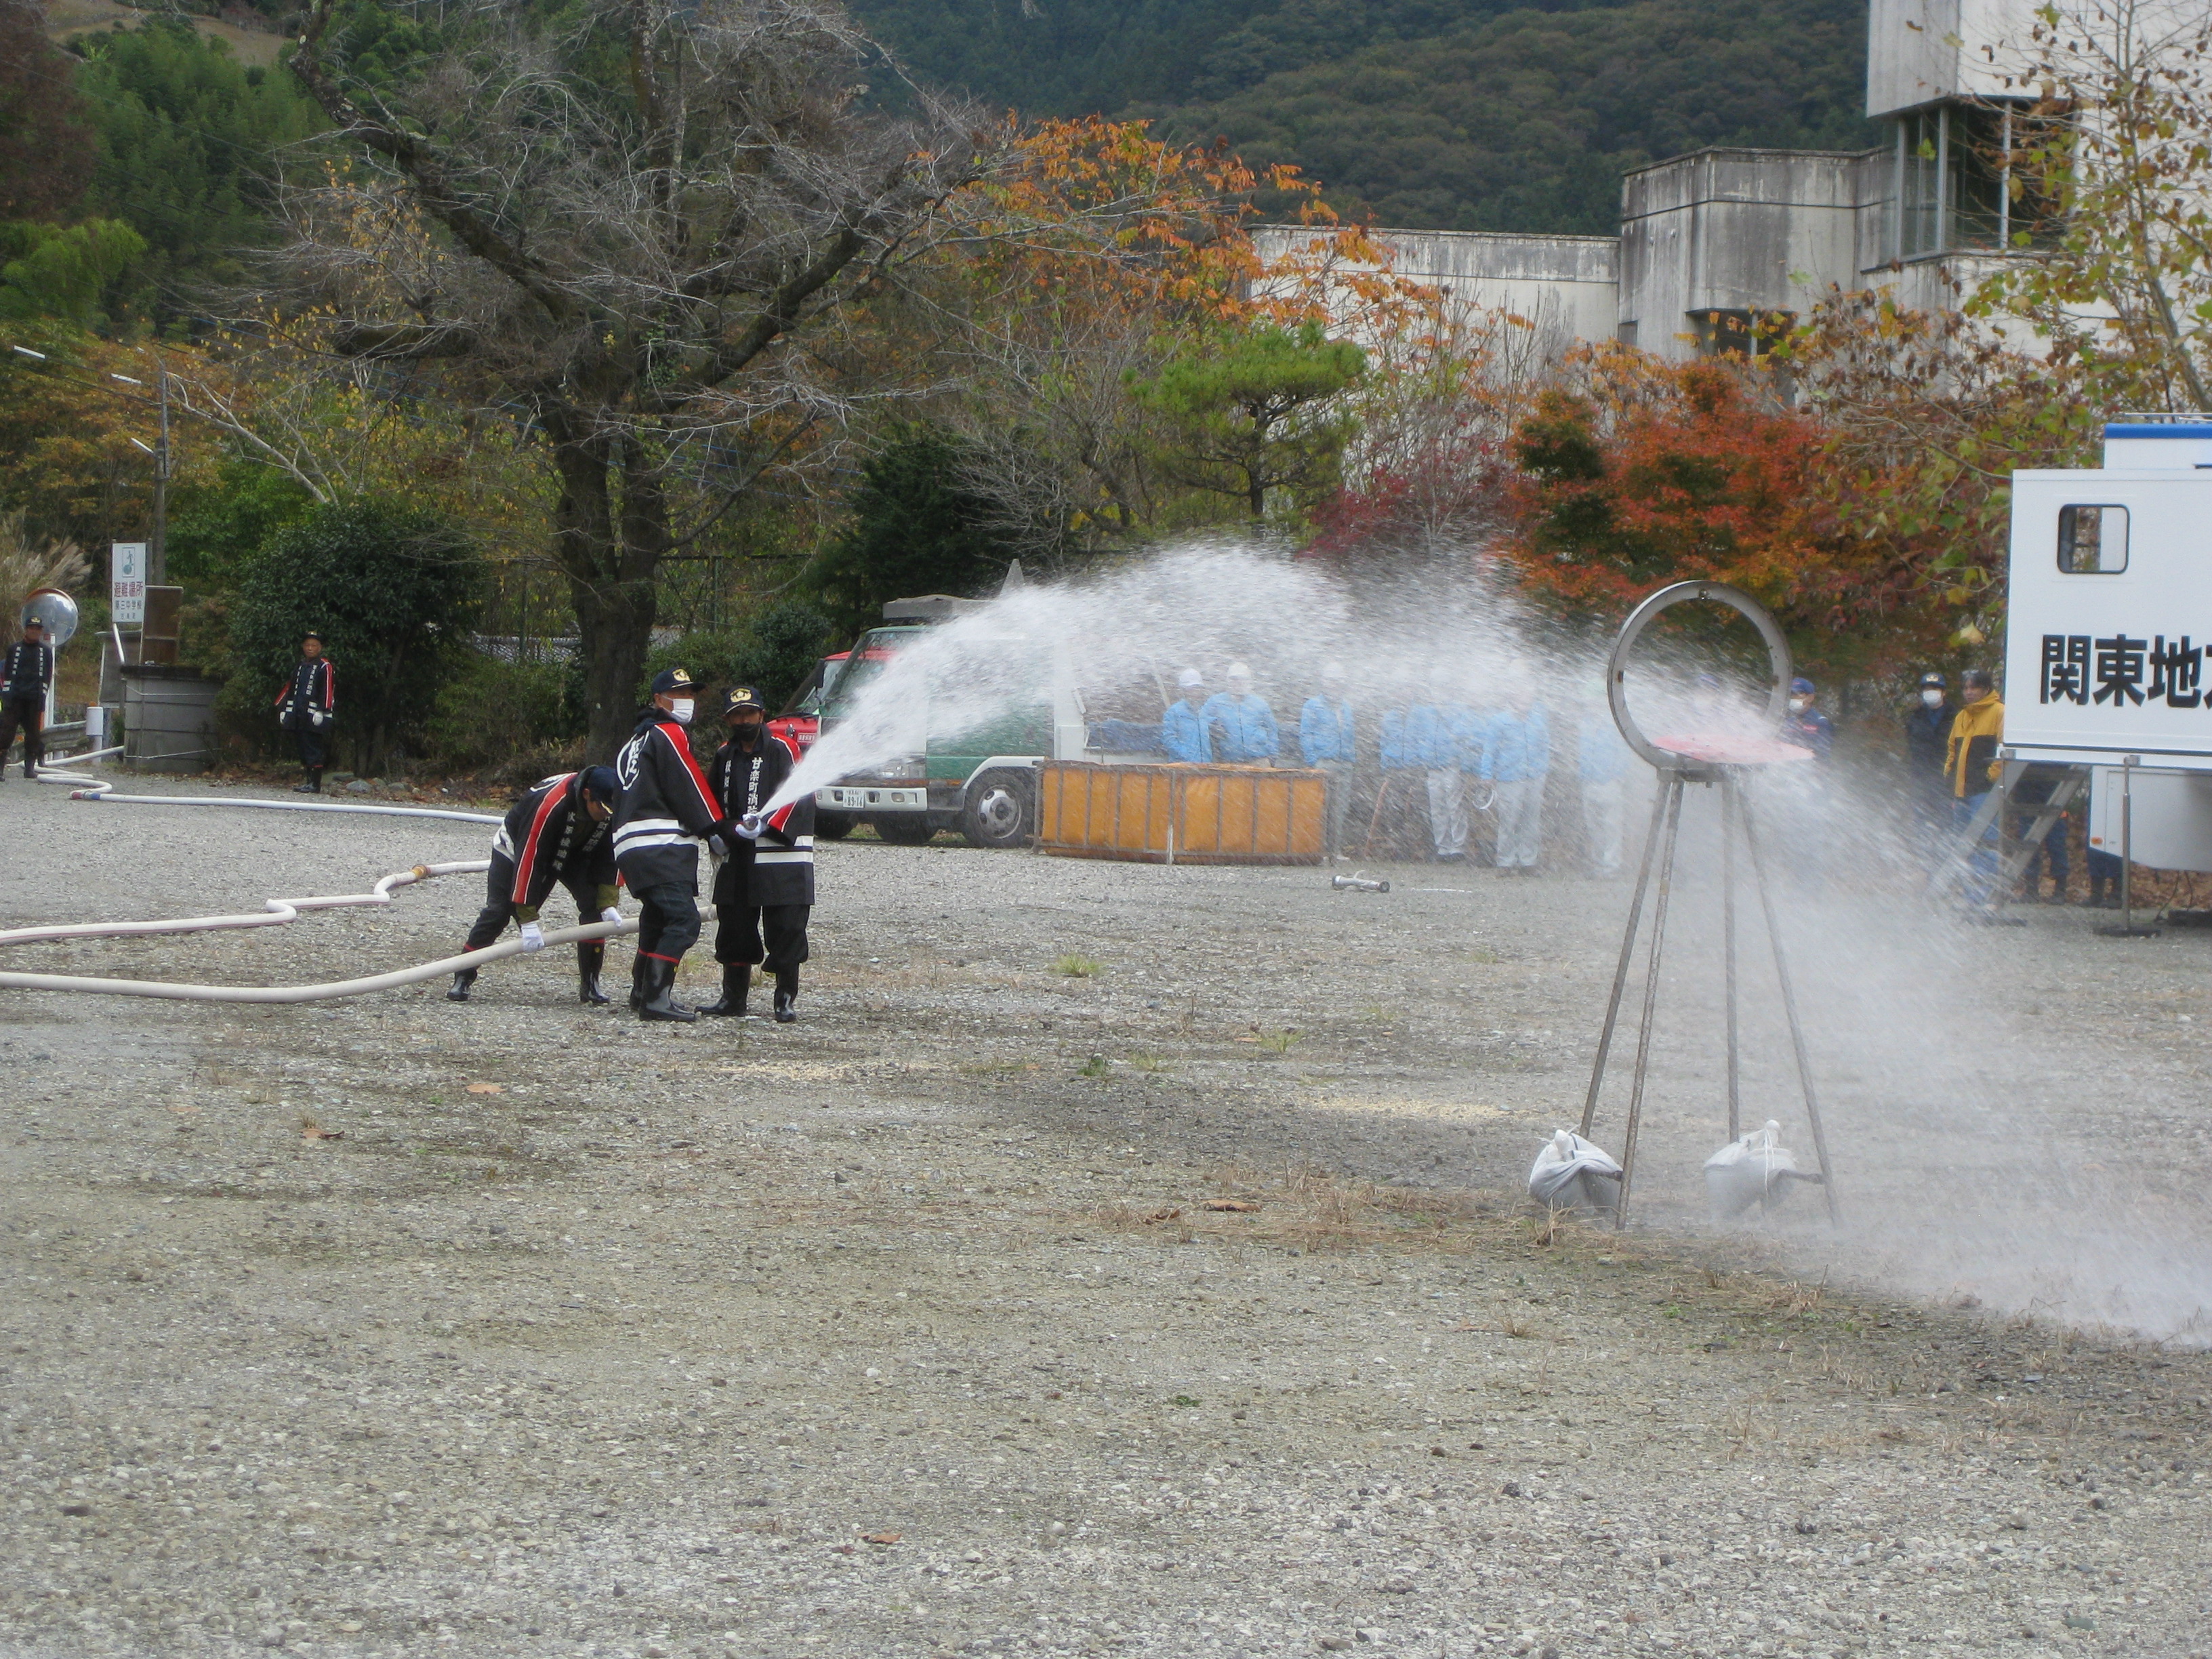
(1357,884)
(750,825)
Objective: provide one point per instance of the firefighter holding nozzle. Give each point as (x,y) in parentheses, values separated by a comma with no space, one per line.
(764,891)
(665,810)
(561,830)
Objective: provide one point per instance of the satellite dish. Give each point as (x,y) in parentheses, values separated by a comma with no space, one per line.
(55,609)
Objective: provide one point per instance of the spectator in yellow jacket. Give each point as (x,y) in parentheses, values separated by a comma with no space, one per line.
(1973,767)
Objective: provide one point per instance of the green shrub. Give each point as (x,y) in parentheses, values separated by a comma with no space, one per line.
(775,651)
(494,713)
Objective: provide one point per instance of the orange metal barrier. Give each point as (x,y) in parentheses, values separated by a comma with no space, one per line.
(1181,814)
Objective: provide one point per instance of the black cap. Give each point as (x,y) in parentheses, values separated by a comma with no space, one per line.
(601,784)
(742,696)
(1932,678)
(312,634)
(672,679)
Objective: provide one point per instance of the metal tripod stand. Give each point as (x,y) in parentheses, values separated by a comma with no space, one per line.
(1724,761)
(1660,845)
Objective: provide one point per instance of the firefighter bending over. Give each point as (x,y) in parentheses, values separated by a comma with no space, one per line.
(562,830)
(665,810)
(766,886)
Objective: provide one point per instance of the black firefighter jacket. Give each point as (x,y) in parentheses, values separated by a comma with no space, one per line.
(666,807)
(779,867)
(550,836)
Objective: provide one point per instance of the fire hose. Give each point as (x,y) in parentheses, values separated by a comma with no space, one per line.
(274,912)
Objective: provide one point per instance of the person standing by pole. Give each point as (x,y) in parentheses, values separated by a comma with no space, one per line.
(306,704)
(26,676)
(665,810)
(764,890)
(1327,739)
(559,831)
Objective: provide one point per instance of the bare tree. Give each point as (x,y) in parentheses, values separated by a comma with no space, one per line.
(635,233)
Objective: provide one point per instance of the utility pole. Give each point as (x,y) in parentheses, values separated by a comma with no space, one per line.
(157,561)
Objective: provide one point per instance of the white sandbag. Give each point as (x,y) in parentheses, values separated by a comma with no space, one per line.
(1757,1168)
(1571,1173)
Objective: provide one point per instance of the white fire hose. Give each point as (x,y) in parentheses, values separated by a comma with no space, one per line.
(274,912)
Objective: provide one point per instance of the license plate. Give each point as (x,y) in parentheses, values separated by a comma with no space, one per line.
(846,798)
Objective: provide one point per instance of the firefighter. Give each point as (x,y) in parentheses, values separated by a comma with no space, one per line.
(764,891)
(306,705)
(667,808)
(562,830)
(25,677)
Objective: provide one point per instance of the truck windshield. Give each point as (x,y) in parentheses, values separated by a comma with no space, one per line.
(869,658)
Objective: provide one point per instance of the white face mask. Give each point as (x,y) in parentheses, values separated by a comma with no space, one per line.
(1799,705)
(1933,699)
(680,710)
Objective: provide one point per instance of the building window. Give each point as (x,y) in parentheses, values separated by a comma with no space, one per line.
(1732,333)
(2093,541)
(1955,180)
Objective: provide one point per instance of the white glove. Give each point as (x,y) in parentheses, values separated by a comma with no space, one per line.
(610,914)
(533,938)
(317,716)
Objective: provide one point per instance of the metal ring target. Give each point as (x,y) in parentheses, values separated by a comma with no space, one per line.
(1616,667)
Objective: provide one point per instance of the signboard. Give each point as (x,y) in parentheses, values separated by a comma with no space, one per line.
(2109,617)
(127,584)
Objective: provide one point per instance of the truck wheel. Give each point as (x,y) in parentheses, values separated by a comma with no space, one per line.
(834,826)
(1001,811)
(907,829)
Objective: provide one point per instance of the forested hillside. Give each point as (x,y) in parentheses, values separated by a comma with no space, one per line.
(1453,114)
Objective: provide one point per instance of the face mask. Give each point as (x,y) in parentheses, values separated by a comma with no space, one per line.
(1799,705)
(1932,699)
(747,734)
(680,711)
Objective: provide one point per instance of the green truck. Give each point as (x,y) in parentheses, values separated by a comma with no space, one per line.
(975,775)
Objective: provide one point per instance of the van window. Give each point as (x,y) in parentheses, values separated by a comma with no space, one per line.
(2093,541)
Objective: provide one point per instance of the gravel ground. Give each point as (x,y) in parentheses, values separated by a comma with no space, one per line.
(388,1327)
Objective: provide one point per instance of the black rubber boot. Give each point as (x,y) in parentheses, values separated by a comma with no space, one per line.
(590,959)
(637,980)
(463,979)
(660,1003)
(736,985)
(787,995)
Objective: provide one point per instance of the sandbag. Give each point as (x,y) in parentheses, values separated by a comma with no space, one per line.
(1571,1173)
(1755,1169)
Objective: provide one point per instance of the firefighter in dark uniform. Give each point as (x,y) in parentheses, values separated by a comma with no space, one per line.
(764,891)
(306,705)
(562,830)
(665,810)
(25,676)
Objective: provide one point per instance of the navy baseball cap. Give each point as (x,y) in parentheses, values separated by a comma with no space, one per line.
(601,784)
(1932,678)
(1801,687)
(672,679)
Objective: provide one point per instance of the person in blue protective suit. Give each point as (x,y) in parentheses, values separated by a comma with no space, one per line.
(1515,760)
(1434,746)
(1183,728)
(1326,739)
(1240,726)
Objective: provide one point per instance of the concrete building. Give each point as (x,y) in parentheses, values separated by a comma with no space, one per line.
(1718,247)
